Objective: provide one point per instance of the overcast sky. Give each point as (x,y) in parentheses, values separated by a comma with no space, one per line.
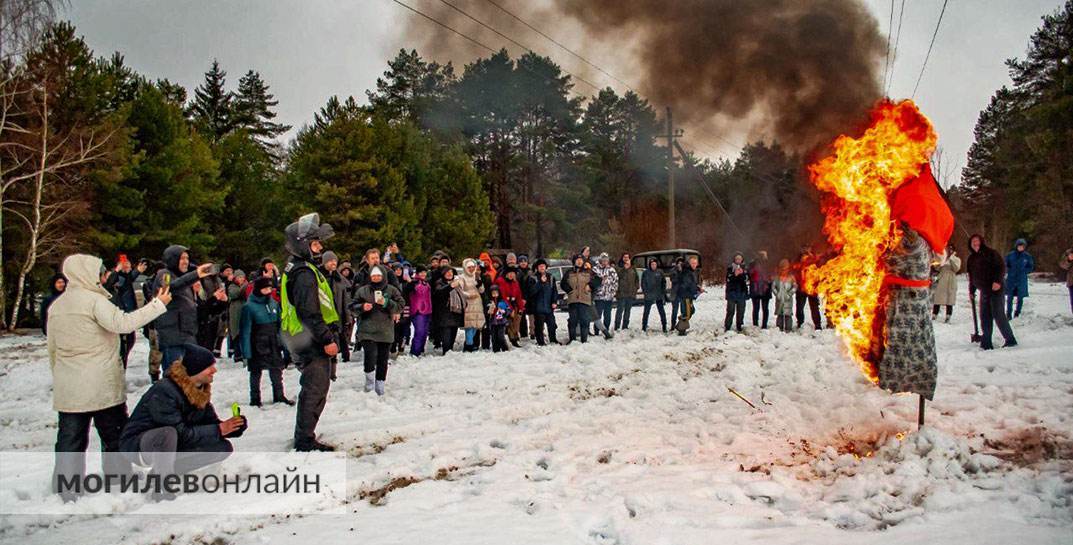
(309,50)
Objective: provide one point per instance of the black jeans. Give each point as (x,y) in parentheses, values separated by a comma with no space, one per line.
(72,439)
(126,343)
(376,355)
(662,315)
(275,376)
(447,338)
(315,381)
(542,320)
(735,312)
(579,321)
(624,306)
(992,314)
(761,304)
(813,306)
(935,309)
(499,338)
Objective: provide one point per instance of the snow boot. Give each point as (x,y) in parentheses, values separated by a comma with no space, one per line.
(312,445)
(370,380)
(284,399)
(379,388)
(515,344)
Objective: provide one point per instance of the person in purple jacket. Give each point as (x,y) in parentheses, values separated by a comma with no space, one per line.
(419,295)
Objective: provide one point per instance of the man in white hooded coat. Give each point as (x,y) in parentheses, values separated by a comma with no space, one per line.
(88,385)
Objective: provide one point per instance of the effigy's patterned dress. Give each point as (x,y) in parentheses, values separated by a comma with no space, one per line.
(909,361)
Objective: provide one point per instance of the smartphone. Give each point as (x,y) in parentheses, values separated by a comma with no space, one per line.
(378,296)
(167,279)
(235,410)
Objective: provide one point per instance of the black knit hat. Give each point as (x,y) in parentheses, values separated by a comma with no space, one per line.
(420,268)
(261,283)
(196,359)
(540,262)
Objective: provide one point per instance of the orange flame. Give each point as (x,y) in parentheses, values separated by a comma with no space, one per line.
(859,177)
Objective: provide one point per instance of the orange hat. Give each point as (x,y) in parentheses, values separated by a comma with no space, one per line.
(919,205)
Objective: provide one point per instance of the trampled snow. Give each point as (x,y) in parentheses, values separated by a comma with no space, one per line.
(639,440)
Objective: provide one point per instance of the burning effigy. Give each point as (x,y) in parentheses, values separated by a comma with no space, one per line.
(884,218)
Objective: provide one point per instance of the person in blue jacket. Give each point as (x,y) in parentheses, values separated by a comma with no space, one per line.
(260,341)
(1019,263)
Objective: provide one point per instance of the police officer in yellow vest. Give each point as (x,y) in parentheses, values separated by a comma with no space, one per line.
(309,324)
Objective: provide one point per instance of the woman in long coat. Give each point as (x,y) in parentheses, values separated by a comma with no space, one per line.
(944,289)
(473,320)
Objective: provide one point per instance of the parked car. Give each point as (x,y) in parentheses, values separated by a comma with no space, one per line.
(666,258)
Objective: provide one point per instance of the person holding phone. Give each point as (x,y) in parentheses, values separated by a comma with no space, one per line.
(179,325)
(380,306)
(88,384)
(174,429)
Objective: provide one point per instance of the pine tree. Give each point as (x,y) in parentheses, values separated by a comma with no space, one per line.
(411,89)
(212,109)
(253,110)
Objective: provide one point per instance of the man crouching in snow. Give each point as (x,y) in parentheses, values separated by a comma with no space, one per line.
(174,428)
(87,373)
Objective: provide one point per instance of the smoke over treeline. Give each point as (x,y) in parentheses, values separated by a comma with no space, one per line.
(794,71)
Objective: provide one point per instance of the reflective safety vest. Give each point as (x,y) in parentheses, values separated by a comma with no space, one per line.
(290,323)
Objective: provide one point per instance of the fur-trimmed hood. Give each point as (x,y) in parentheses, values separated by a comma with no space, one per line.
(198,396)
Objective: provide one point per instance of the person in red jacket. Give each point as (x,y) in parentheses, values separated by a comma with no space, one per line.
(511,292)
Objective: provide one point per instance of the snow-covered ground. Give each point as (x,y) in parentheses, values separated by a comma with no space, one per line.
(638,441)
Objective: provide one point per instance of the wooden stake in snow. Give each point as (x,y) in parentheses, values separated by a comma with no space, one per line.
(739,396)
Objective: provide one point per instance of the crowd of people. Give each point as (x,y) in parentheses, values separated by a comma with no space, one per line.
(321,309)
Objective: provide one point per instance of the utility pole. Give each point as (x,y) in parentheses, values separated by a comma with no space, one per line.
(670,136)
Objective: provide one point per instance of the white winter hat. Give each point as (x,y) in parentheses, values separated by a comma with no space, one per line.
(376,271)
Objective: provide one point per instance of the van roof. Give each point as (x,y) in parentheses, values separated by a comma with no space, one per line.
(663,252)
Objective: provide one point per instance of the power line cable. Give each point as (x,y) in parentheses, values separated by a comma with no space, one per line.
(894,54)
(932,44)
(511,40)
(890,30)
(560,45)
(474,40)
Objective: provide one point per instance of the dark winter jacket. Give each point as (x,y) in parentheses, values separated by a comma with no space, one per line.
(377,324)
(174,402)
(121,285)
(47,302)
(737,288)
(210,312)
(688,284)
(985,267)
(341,290)
(304,294)
(627,283)
(441,305)
(542,294)
(179,324)
(259,333)
(1018,267)
(652,284)
(523,281)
